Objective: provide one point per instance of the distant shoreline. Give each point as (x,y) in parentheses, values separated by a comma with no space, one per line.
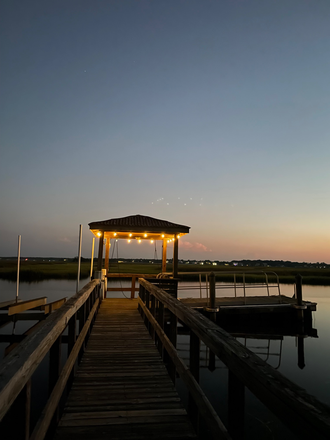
(34,271)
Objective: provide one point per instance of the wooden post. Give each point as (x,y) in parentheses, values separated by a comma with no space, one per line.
(54,373)
(194,369)
(82,320)
(175,256)
(299,289)
(152,310)
(71,341)
(164,255)
(107,252)
(133,287)
(100,255)
(92,258)
(79,257)
(18,264)
(301,354)
(236,401)
(161,323)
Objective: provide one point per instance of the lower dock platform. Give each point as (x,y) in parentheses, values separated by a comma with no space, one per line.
(122,389)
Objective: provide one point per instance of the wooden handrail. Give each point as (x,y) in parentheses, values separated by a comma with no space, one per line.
(303,413)
(17,368)
(214,423)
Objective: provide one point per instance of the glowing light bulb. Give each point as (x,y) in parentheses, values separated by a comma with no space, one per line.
(163,236)
(139,240)
(145,235)
(128,241)
(130,235)
(151,241)
(115,234)
(178,236)
(99,234)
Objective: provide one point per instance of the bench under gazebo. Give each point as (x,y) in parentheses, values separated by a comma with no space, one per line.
(138,227)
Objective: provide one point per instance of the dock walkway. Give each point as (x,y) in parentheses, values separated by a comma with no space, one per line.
(122,389)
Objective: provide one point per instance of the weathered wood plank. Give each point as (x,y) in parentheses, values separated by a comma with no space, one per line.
(26,305)
(300,411)
(19,365)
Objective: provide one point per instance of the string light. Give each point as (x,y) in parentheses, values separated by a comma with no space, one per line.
(128,241)
(115,234)
(99,234)
(139,240)
(163,236)
(145,235)
(130,235)
(151,241)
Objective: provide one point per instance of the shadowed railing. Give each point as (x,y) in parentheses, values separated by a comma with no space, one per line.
(302,413)
(16,369)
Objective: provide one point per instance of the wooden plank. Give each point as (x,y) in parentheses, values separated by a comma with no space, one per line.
(122,384)
(26,305)
(6,304)
(207,411)
(44,421)
(300,411)
(19,365)
(50,307)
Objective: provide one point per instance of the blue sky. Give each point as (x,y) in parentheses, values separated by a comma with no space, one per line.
(213,114)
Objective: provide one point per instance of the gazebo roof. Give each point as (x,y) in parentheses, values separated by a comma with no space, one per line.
(138,224)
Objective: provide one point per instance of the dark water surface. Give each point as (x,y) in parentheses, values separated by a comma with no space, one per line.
(283,355)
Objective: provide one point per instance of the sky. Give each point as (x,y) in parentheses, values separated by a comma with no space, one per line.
(211,114)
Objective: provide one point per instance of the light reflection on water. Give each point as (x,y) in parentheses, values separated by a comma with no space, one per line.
(315,377)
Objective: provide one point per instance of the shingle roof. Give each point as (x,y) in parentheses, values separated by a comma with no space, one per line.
(137,223)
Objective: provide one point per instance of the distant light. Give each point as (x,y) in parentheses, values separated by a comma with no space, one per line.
(178,236)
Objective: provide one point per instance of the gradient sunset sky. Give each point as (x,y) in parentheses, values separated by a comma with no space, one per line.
(211,114)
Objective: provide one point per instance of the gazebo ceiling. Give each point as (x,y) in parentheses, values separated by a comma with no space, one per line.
(138,227)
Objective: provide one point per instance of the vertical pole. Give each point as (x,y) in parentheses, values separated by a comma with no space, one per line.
(107,252)
(92,257)
(172,335)
(175,256)
(18,264)
(54,373)
(164,255)
(299,289)
(79,257)
(100,255)
(236,401)
(194,368)
(133,286)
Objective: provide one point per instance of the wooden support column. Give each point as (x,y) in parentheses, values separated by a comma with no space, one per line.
(236,402)
(100,255)
(194,369)
(175,256)
(107,252)
(164,255)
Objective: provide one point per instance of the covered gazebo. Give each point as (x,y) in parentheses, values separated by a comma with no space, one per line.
(138,227)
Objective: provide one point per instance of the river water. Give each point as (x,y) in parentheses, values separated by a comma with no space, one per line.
(281,354)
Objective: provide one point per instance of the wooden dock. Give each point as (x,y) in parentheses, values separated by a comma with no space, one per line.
(122,389)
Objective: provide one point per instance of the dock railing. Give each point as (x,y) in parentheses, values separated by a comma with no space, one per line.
(302,413)
(237,285)
(16,369)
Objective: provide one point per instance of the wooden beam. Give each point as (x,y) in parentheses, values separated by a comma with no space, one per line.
(175,256)
(100,255)
(107,253)
(44,421)
(6,304)
(26,305)
(20,364)
(300,411)
(50,307)
(164,255)
(214,423)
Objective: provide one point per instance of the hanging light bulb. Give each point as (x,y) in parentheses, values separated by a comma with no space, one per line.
(163,235)
(145,235)
(128,241)
(139,240)
(115,234)
(151,241)
(99,234)
(130,235)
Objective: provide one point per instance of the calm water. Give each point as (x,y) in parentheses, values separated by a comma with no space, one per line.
(314,377)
